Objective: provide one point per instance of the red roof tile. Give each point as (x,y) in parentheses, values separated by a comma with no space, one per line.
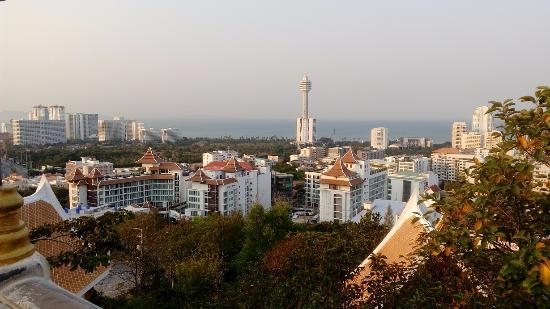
(220,166)
(339,170)
(350,157)
(39,213)
(171,166)
(75,176)
(95,173)
(199,176)
(149,157)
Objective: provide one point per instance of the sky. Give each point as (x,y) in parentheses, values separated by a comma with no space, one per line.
(243,59)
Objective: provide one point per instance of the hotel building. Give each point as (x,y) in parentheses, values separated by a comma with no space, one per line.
(46,125)
(160,184)
(228,186)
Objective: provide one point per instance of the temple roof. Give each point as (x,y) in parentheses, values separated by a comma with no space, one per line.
(339,170)
(350,157)
(95,173)
(149,157)
(170,166)
(230,165)
(199,176)
(43,208)
(75,175)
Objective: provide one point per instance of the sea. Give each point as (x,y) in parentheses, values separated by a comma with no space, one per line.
(338,130)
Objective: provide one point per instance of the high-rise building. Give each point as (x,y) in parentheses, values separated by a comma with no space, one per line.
(481,121)
(56,112)
(459,128)
(379,138)
(161,184)
(39,112)
(38,132)
(81,126)
(305,126)
(119,129)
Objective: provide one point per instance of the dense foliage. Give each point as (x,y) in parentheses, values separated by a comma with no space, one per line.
(125,154)
(492,247)
(263,260)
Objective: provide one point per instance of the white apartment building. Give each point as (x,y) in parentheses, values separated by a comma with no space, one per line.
(470,140)
(450,163)
(218,155)
(160,184)
(346,186)
(457,130)
(341,193)
(481,121)
(119,129)
(379,138)
(371,154)
(39,112)
(38,132)
(169,135)
(46,125)
(311,188)
(81,126)
(406,163)
(207,195)
(56,112)
(312,153)
(415,142)
(87,164)
(4,128)
(403,184)
(228,186)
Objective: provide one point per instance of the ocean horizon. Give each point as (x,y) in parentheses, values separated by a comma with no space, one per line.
(340,130)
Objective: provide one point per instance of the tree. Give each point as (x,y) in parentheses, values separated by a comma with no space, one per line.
(92,239)
(389,219)
(494,228)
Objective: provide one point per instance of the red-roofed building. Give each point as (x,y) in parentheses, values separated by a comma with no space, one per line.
(344,187)
(160,183)
(228,186)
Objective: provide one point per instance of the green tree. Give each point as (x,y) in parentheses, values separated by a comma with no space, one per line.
(493,243)
(389,219)
(92,239)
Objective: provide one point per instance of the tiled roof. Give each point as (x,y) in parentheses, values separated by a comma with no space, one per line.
(75,175)
(199,176)
(350,157)
(447,150)
(171,166)
(149,157)
(339,170)
(39,213)
(232,165)
(95,173)
(221,165)
(401,240)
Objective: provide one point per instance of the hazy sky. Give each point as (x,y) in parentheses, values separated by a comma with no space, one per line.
(243,59)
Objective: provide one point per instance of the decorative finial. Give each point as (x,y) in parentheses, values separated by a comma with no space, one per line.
(15,243)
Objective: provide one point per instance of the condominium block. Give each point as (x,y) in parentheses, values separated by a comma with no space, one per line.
(82,126)
(379,138)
